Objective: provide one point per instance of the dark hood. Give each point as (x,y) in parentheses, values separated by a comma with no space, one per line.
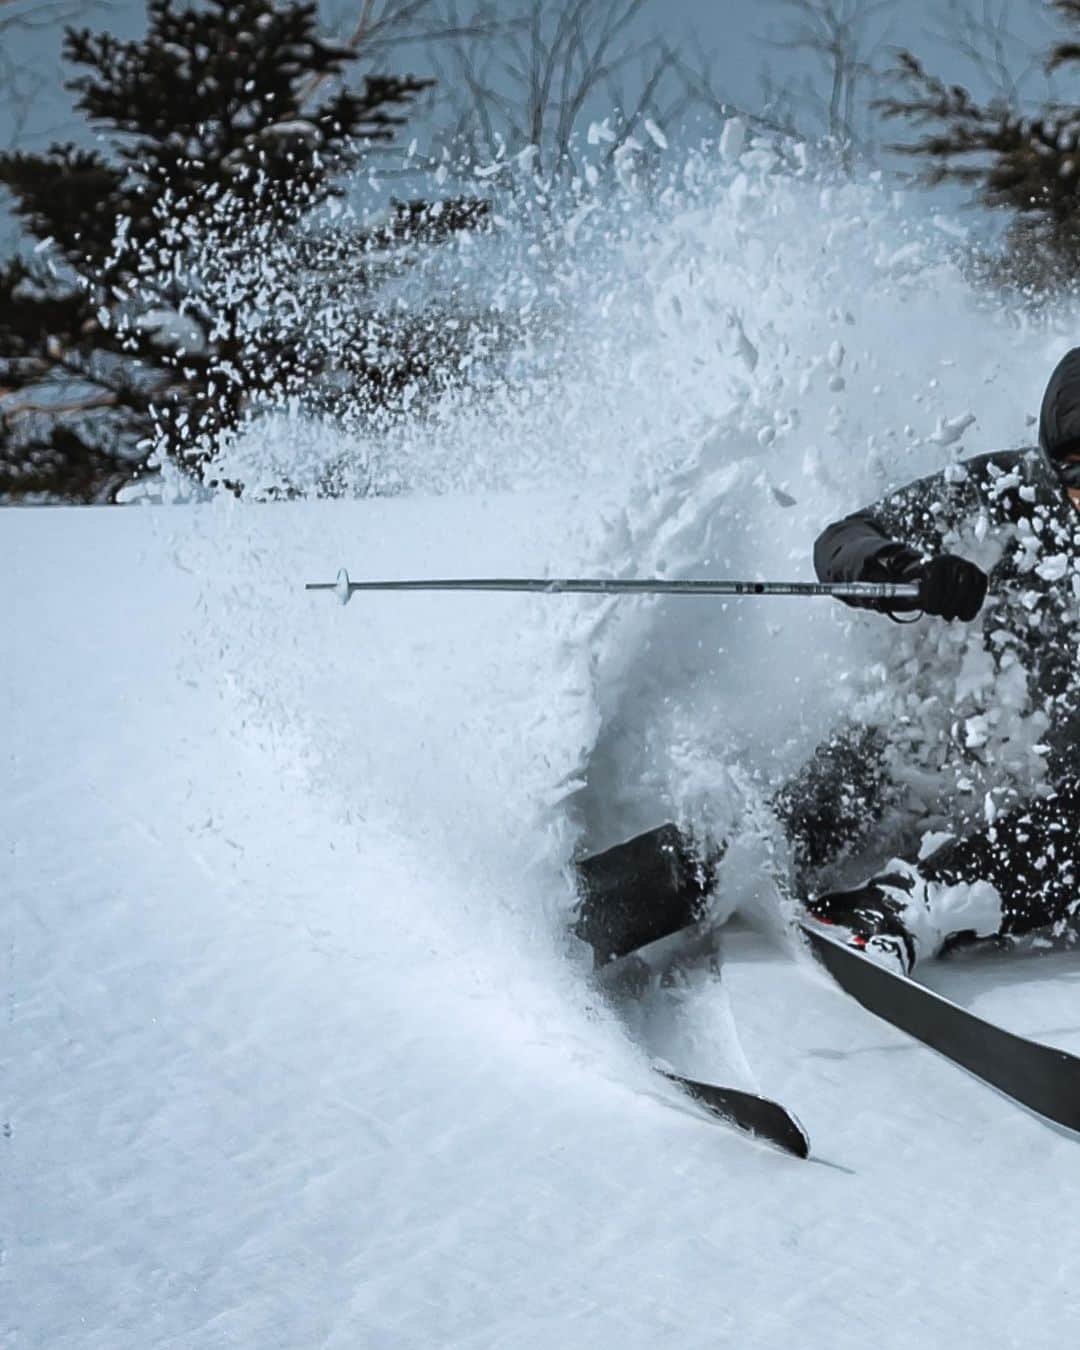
(1059,421)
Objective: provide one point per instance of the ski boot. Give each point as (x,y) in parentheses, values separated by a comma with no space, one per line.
(887,918)
(641,891)
(900,916)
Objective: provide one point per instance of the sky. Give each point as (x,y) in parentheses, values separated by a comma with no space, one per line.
(731,31)
(731,36)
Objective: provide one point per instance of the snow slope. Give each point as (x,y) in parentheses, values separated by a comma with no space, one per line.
(286,1068)
(297,1052)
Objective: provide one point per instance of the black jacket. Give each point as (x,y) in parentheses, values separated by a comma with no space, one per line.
(1014,501)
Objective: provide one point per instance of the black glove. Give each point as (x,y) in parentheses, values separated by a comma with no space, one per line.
(950,586)
(894,563)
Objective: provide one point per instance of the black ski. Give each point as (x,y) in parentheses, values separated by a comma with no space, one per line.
(628,977)
(759,1116)
(1040,1077)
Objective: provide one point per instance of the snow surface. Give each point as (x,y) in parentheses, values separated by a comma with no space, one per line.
(297,1050)
(290,1067)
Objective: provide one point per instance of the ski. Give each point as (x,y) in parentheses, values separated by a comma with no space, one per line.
(759,1116)
(1041,1077)
(630,975)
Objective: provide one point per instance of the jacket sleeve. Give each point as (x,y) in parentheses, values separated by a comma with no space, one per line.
(851,549)
(886,541)
(913,521)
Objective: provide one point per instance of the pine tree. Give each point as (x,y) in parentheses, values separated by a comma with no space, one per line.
(139,322)
(1027,164)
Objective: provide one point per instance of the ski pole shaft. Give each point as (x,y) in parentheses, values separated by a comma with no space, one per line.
(344,589)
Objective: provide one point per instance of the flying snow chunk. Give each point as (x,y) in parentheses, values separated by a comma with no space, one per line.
(901,260)
(1054,568)
(732,140)
(655,134)
(949,429)
(950,227)
(600,131)
(744,348)
(577,220)
(167,328)
(624,161)
(932,841)
(976,731)
(292,129)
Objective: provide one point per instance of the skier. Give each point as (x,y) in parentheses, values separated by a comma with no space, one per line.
(1015,873)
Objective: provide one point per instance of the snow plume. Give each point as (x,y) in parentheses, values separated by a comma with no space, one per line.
(694,378)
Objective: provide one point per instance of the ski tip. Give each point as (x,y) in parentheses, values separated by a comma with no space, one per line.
(760,1117)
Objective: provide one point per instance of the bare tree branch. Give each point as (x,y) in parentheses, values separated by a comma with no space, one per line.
(549,64)
(700,90)
(981,32)
(88,404)
(375,30)
(843,38)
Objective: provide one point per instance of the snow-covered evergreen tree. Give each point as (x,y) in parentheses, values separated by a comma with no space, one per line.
(138,324)
(1024,161)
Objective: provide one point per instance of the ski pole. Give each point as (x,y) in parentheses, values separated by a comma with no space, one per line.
(344,589)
